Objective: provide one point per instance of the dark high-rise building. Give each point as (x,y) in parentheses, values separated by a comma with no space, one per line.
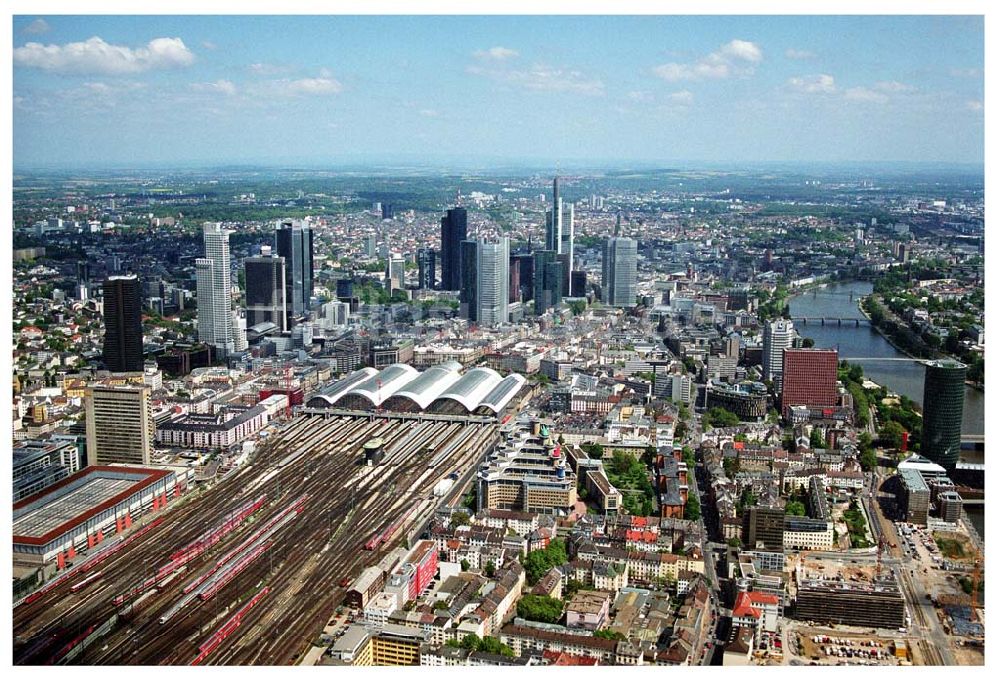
(526,272)
(548,279)
(809,378)
(295,243)
(766,526)
(944,402)
(514,279)
(426,275)
(454,230)
(468,290)
(345,289)
(123,324)
(578,283)
(387,212)
(265,298)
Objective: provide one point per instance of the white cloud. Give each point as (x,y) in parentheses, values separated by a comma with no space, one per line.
(496,54)
(37,27)
(638,95)
(263,68)
(209,45)
(742,49)
(683,97)
(966,72)
(429,113)
(793,53)
(543,78)
(974,105)
(893,86)
(865,94)
(309,86)
(97,56)
(813,84)
(736,57)
(220,86)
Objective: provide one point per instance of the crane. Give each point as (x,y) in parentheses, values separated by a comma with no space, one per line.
(977,574)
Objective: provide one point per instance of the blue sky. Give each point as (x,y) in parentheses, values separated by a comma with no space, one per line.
(147,91)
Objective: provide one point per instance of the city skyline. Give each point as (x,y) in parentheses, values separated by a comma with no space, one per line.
(134,91)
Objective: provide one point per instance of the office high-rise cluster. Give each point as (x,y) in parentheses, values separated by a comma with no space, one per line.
(548,279)
(559,234)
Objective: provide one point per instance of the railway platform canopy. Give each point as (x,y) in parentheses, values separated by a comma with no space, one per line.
(84,509)
(440,389)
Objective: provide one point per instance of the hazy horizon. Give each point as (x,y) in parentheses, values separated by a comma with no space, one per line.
(155,91)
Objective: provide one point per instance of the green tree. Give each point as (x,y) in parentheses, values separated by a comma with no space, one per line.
(571,588)
(609,634)
(465,565)
(490,570)
(891,434)
(816,438)
(795,508)
(692,508)
(540,608)
(719,417)
(538,562)
(459,519)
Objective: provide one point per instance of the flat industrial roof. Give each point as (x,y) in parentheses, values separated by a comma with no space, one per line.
(57,509)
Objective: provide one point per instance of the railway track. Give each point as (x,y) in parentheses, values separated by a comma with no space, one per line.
(313,456)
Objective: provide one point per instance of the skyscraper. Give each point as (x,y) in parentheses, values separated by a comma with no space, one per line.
(216,324)
(426,275)
(526,275)
(454,230)
(778,336)
(618,271)
(119,425)
(559,231)
(295,243)
(122,324)
(944,402)
(265,298)
(468,289)
(492,282)
(808,378)
(83,281)
(394,271)
(548,280)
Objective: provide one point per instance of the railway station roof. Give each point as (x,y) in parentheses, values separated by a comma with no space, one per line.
(477,388)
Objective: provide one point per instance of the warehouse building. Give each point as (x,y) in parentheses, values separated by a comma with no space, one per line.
(914,496)
(861,605)
(84,509)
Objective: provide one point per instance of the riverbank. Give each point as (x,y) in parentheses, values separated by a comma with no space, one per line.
(885,336)
(888,338)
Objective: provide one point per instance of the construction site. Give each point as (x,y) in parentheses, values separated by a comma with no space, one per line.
(251,569)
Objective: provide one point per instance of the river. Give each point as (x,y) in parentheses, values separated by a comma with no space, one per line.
(867,348)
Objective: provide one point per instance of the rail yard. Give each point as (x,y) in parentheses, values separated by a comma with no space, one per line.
(250,570)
